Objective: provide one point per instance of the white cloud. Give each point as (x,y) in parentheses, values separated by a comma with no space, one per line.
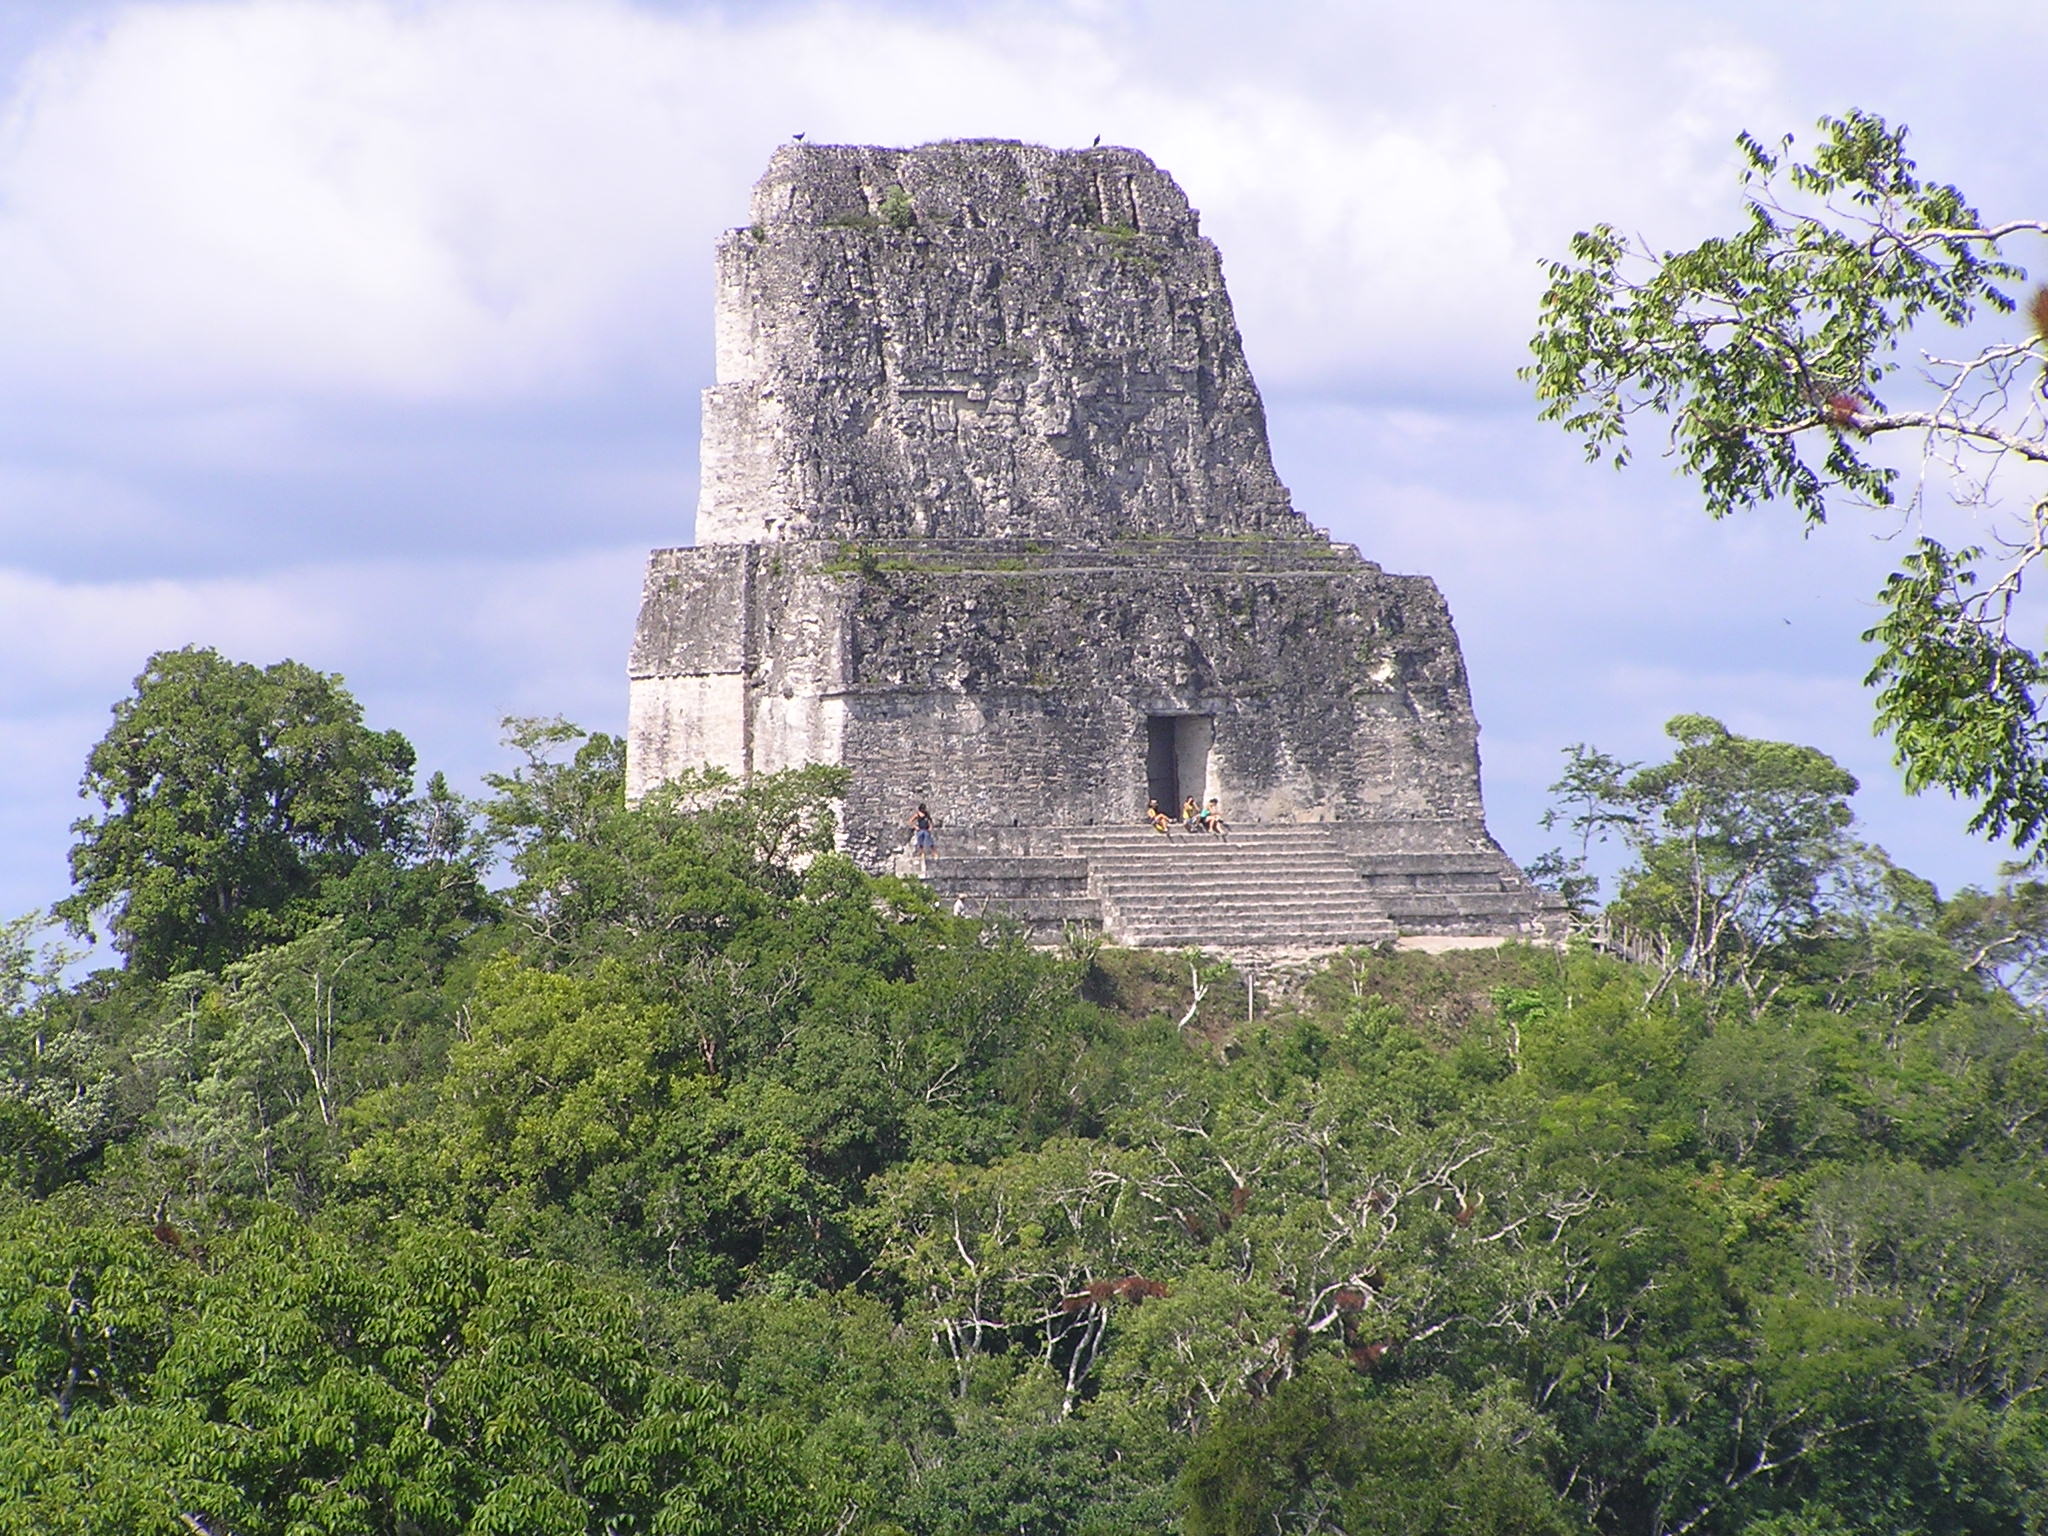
(93,637)
(51,501)
(408,199)
(439,650)
(388,619)
(467,198)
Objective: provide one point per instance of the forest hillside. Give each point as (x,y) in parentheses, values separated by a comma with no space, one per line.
(544,1164)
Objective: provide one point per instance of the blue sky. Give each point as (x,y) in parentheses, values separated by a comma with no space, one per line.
(369,332)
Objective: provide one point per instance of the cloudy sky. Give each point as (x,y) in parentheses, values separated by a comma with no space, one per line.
(369,332)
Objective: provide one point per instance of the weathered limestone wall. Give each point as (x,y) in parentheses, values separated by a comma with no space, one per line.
(1014,689)
(1044,348)
(738,662)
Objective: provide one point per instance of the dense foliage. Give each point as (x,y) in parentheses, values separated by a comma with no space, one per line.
(696,1181)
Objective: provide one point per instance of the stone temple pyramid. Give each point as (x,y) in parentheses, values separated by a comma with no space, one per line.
(989,517)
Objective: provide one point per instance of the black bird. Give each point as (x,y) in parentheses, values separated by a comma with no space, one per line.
(798,137)
(1097,144)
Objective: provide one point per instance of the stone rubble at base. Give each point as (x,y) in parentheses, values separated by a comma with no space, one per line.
(989,517)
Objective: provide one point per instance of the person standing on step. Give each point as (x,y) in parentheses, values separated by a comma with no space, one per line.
(922,843)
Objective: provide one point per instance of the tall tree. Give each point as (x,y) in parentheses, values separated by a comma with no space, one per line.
(227,793)
(1772,355)
(1736,841)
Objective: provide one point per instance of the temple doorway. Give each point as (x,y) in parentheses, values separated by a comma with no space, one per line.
(1177,759)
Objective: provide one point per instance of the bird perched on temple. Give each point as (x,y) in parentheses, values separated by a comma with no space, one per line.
(1096,142)
(797,137)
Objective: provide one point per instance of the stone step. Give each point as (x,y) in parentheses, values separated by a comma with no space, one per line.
(1282,885)
(1164,860)
(1266,884)
(1176,833)
(1238,937)
(1255,922)
(1392,866)
(1223,867)
(1176,854)
(1088,842)
(1261,892)
(1220,863)
(1254,935)
(1179,855)
(1257,833)
(1050,908)
(1403,885)
(1220,856)
(1460,903)
(1206,916)
(1037,866)
(1025,887)
(1276,889)
(1333,912)
(1395,878)
(1227,900)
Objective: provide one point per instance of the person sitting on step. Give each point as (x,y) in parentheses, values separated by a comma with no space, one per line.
(1157,817)
(1212,818)
(1191,814)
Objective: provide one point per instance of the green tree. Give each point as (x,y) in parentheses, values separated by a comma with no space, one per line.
(1589,802)
(1324,1455)
(1737,838)
(2002,935)
(665,880)
(228,793)
(55,1086)
(1737,843)
(254,1069)
(722,1186)
(286,1378)
(1061,1479)
(1772,354)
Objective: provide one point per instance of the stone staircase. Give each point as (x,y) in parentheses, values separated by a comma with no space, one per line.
(1048,893)
(1264,889)
(1259,888)
(1445,893)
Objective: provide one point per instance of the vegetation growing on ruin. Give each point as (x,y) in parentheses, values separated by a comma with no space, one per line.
(896,209)
(550,1164)
(1777,357)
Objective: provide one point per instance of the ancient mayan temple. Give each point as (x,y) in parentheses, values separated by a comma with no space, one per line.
(989,517)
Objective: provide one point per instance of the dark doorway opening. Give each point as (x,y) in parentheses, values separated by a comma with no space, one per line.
(1162,764)
(1177,759)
